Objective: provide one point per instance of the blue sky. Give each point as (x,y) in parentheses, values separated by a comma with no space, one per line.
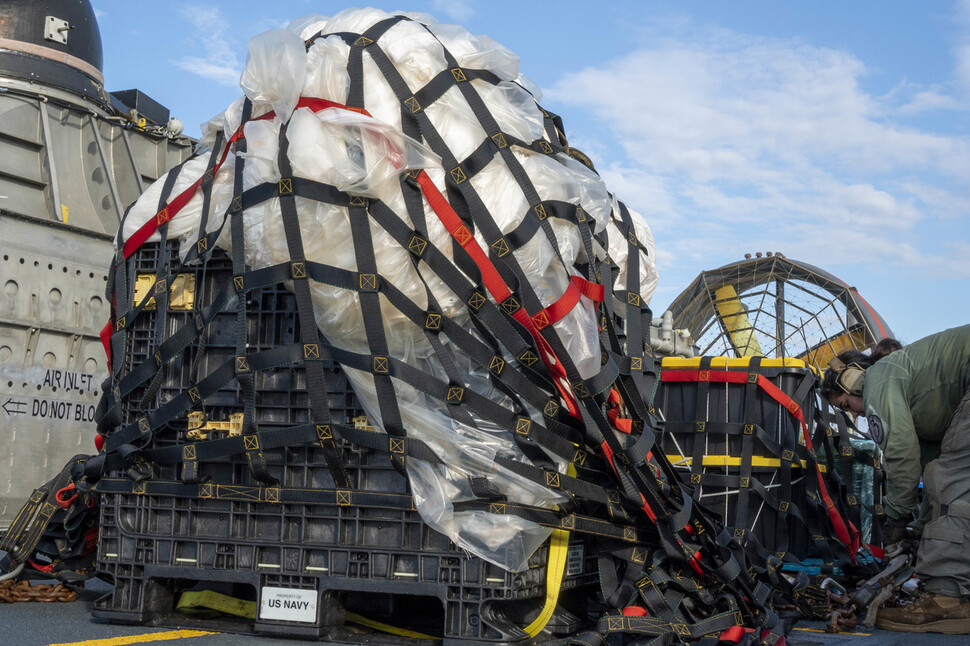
(837,133)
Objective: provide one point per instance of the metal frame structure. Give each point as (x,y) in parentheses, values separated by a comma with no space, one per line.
(775,306)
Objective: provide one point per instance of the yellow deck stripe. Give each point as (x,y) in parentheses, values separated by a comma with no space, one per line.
(140,639)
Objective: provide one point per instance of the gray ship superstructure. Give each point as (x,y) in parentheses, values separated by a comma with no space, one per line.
(72,157)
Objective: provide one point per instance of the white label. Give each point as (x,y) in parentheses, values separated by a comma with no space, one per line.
(574,560)
(287,604)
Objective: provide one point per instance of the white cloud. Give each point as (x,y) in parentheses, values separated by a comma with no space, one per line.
(931,100)
(741,143)
(219,61)
(457,10)
(937,201)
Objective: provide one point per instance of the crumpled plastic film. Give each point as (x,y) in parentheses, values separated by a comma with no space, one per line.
(275,69)
(365,156)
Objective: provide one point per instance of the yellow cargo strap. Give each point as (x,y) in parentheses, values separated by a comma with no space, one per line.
(555,567)
(376,625)
(201,600)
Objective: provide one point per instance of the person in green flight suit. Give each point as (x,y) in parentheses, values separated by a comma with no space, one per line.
(917,404)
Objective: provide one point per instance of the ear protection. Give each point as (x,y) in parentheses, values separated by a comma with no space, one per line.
(849,378)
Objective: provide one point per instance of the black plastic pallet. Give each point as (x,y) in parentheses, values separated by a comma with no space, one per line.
(382,563)
(387,566)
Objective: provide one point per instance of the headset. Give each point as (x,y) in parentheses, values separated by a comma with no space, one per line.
(849,378)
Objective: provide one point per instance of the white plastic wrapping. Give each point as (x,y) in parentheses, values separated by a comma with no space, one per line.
(274,72)
(619,250)
(365,155)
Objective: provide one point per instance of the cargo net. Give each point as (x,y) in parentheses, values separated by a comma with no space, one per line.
(764,452)
(483,293)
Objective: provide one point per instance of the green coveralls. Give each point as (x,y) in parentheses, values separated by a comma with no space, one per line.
(920,395)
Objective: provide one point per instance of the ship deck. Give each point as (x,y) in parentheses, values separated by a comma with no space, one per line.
(71,624)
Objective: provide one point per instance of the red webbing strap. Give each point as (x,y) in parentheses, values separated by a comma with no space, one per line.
(622,424)
(172,209)
(578,286)
(610,460)
(42,568)
(490,277)
(180,200)
(593,291)
(499,290)
(847,534)
(105,335)
(734,634)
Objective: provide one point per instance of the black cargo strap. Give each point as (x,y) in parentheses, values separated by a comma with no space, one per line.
(313,355)
(306,434)
(35,518)
(207,182)
(841,458)
(244,378)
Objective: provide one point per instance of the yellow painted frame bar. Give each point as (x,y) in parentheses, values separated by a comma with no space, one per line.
(732,461)
(730,363)
(736,322)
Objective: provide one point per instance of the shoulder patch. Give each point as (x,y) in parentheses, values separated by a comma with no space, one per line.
(875,428)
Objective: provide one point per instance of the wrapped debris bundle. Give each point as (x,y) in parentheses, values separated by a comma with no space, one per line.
(529,192)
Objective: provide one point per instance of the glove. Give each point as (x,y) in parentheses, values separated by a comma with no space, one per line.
(893,529)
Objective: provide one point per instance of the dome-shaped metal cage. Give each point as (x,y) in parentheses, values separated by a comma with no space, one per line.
(773,306)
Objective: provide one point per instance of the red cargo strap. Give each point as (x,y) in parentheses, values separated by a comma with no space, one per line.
(734,634)
(847,533)
(63,497)
(180,200)
(105,335)
(177,203)
(91,539)
(614,402)
(42,568)
(578,286)
(499,290)
(695,562)
(647,509)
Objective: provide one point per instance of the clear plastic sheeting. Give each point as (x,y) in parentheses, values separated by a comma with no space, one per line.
(366,155)
(275,70)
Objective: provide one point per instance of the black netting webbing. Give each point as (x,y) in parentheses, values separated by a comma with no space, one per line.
(249,349)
